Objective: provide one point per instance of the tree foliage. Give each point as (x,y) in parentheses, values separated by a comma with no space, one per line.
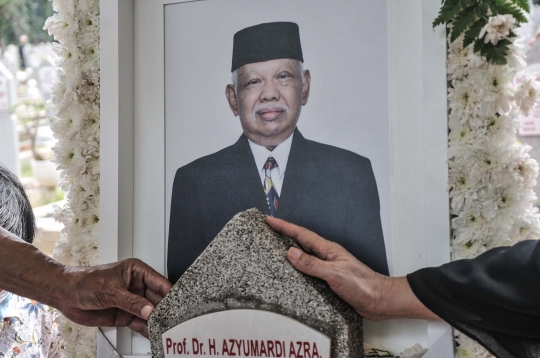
(468,17)
(18,17)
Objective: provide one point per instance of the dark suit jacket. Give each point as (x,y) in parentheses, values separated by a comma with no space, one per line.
(328,190)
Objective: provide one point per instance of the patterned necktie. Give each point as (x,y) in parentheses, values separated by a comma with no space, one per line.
(272,196)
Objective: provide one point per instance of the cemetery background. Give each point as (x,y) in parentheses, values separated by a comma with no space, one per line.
(25,87)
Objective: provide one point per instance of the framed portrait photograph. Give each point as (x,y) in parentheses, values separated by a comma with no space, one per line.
(328,114)
(319,101)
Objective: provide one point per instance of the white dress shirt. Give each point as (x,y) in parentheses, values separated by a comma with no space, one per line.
(280,154)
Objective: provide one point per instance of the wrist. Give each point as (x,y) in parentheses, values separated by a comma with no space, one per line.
(383,290)
(397,300)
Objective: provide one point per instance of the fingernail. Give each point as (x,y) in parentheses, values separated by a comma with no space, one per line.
(145,312)
(294,253)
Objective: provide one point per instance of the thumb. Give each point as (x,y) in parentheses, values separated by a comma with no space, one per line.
(310,265)
(134,304)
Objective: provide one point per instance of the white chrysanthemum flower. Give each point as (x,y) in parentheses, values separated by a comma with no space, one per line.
(527,93)
(63,29)
(500,129)
(497,28)
(516,57)
(495,88)
(470,227)
(467,250)
(506,202)
(463,99)
(486,163)
(524,167)
(459,59)
(499,235)
(460,138)
(526,227)
(462,188)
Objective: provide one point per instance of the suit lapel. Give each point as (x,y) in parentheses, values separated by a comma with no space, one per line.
(299,175)
(244,179)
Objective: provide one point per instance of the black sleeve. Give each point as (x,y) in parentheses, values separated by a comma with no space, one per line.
(184,225)
(494,298)
(364,219)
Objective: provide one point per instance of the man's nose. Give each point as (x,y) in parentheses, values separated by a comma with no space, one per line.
(269,92)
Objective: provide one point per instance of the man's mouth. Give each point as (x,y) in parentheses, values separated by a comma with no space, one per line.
(270,114)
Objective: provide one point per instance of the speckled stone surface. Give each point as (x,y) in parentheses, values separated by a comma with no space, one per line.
(246,267)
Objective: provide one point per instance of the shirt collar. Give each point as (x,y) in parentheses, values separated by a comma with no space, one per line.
(280,154)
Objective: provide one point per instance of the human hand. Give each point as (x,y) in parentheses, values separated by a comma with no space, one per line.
(372,295)
(113,295)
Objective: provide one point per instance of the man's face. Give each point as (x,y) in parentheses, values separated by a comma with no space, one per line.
(268,98)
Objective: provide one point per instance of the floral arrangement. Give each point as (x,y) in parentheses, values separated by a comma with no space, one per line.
(491,175)
(487,24)
(75,101)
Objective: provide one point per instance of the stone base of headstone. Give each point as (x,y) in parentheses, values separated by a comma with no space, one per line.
(242,294)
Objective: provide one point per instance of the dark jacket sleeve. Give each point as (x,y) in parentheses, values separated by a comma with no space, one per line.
(494,298)
(184,225)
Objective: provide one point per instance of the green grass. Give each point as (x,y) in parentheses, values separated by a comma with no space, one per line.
(52,197)
(26,169)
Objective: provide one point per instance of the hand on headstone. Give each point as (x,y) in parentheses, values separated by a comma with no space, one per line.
(372,295)
(114,295)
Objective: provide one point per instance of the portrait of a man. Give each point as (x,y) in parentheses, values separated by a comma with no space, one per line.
(272,166)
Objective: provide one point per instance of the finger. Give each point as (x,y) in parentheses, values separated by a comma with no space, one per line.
(153,297)
(134,304)
(308,264)
(139,325)
(306,238)
(151,278)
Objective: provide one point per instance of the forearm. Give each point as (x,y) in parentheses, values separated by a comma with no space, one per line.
(397,300)
(25,271)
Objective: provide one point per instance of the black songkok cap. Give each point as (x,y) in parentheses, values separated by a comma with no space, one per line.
(265,42)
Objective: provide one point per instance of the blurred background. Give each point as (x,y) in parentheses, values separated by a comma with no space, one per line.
(27,74)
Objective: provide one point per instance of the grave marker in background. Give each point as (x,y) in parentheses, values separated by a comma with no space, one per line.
(9,141)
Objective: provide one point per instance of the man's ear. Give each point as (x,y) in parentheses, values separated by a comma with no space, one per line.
(231,98)
(305,87)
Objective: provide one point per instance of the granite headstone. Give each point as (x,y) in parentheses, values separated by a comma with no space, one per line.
(242,297)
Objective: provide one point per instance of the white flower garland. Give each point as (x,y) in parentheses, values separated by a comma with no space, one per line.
(491,176)
(75,124)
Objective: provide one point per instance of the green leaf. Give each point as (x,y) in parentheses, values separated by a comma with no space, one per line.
(448,12)
(508,8)
(496,54)
(511,34)
(494,9)
(462,22)
(473,32)
(485,8)
(524,4)
(478,45)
